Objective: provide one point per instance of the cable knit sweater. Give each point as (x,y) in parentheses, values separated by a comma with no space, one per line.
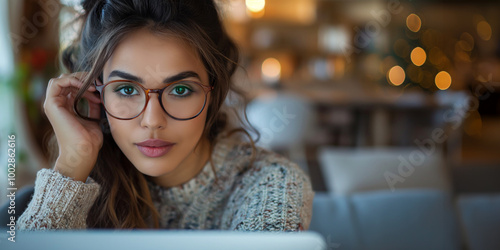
(273,194)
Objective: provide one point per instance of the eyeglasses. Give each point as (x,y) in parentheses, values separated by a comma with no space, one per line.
(126,99)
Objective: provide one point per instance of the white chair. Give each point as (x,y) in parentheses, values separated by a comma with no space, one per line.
(284,121)
(347,171)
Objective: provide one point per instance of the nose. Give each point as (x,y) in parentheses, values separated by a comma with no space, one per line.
(153,116)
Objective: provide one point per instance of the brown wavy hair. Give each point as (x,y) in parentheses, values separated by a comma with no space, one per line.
(124,200)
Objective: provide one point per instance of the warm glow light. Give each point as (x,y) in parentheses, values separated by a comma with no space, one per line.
(462,56)
(396,75)
(466,42)
(484,30)
(255,5)
(438,58)
(413,22)
(443,80)
(271,70)
(418,56)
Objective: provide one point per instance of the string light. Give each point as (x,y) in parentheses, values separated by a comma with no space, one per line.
(413,22)
(418,56)
(396,75)
(443,80)
(484,30)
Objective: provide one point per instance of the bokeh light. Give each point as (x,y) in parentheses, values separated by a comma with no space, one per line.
(443,80)
(413,22)
(484,30)
(466,42)
(438,58)
(418,56)
(462,57)
(271,70)
(255,5)
(396,75)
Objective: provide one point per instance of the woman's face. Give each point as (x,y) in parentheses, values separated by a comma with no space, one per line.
(151,59)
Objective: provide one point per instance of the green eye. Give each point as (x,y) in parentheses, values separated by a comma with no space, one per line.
(181,91)
(128,90)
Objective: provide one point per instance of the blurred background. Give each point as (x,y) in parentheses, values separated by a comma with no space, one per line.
(391,106)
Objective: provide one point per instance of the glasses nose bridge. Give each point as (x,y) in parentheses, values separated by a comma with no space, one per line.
(159,92)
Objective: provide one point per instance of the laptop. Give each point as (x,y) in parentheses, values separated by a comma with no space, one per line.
(161,239)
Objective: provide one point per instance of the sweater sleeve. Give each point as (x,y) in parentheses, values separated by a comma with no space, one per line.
(279,200)
(58,202)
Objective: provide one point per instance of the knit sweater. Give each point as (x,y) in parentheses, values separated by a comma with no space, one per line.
(272,194)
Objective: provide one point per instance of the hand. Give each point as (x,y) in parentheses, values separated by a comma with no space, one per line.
(79,140)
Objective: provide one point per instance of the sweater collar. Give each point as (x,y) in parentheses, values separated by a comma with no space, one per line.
(184,193)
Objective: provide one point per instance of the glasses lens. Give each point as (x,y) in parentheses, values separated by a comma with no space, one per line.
(183,100)
(124,99)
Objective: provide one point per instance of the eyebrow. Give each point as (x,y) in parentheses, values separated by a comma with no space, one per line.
(177,77)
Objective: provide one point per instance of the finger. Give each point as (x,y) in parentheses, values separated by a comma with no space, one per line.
(70,100)
(60,86)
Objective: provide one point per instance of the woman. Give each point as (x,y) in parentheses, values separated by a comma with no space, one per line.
(157,73)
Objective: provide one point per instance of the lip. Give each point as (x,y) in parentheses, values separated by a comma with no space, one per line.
(154,147)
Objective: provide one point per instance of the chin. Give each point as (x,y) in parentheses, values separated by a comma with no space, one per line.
(154,172)
(153,168)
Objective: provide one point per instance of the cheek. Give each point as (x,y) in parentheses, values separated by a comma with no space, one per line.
(189,130)
(120,130)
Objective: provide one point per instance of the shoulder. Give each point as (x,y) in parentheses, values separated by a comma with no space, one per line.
(273,193)
(272,168)
(254,161)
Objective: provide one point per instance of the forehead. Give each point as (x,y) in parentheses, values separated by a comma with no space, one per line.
(151,56)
